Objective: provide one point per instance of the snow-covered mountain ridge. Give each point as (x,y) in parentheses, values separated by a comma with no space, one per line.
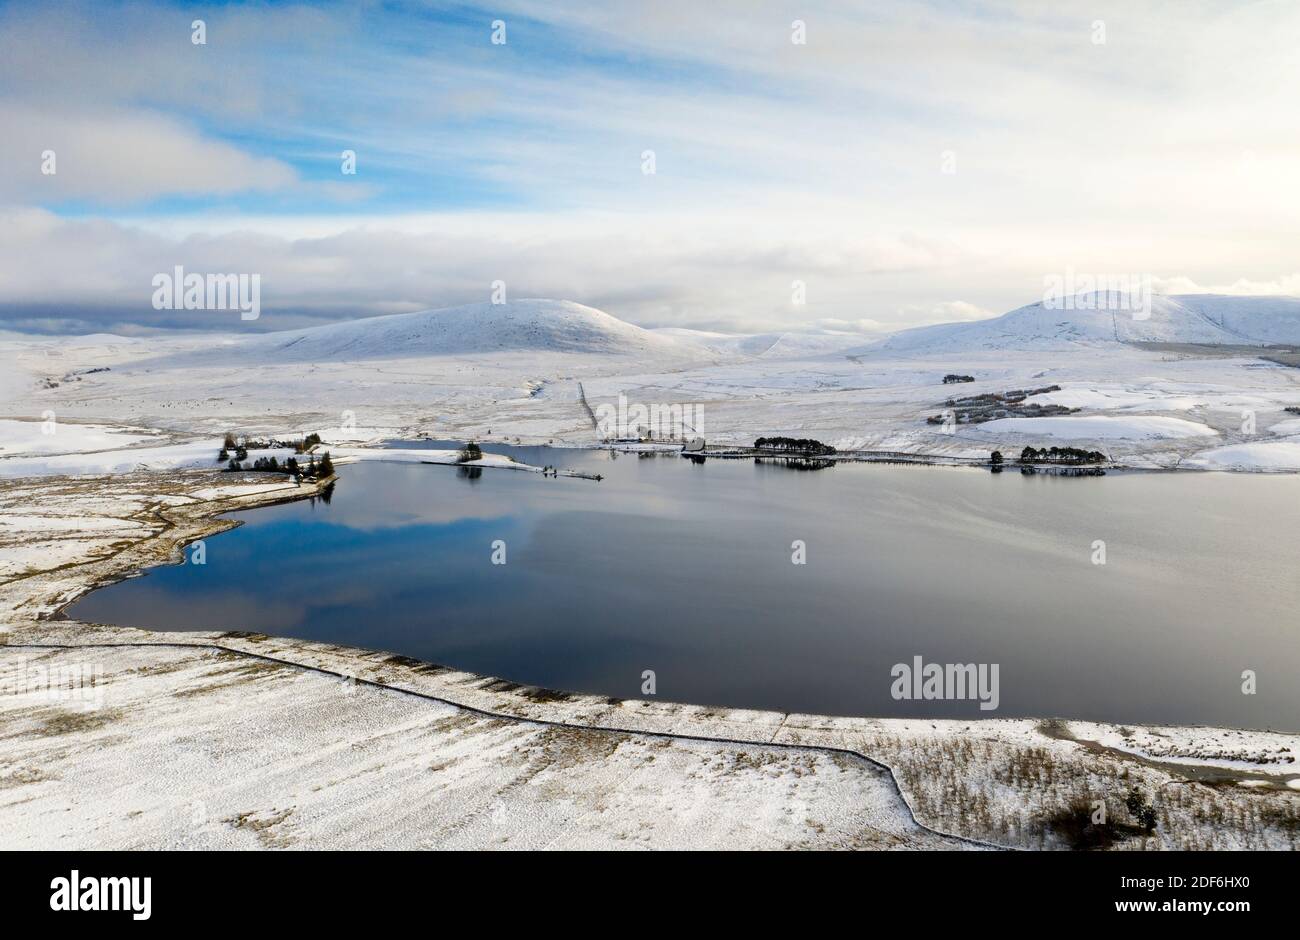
(522,325)
(1213,319)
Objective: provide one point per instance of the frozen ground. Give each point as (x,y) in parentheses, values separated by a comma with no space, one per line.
(33,437)
(1262,455)
(204,748)
(1098,427)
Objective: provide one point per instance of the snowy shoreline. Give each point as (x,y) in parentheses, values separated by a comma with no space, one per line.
(930,459)
(195,455)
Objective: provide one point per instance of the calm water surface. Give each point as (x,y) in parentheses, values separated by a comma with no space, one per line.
(686,569)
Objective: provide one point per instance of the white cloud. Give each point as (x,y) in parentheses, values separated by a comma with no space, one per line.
(121,156)
(1170,148)
(122,96)
(655,270)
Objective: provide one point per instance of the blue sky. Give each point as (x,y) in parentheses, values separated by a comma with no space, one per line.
(910,162)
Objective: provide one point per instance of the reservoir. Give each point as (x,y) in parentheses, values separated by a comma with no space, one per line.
(1136,597)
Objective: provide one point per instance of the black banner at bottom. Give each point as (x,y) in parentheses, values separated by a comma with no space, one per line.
(330,889)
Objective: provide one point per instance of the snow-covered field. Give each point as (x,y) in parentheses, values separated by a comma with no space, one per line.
(52,437)
(232,740)
(1100,427)
(1264,455)
(201,748)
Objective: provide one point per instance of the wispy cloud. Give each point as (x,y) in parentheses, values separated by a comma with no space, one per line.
(910,160)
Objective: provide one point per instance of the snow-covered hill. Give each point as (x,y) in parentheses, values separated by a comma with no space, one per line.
(523,325)
(561,326)
(526,369)
(1188,318)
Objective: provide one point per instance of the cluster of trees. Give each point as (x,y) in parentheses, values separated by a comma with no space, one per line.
(239,446)
(1061,455)
(470,451)
(313,471)
(805,446)
(952,378)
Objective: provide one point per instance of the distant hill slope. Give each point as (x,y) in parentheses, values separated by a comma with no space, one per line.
(523,325)
(805,344)
(1187,318)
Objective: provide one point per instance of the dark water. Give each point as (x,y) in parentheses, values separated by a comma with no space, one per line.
(686,570)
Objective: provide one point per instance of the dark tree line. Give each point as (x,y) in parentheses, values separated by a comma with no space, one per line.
(805,446)
(313,471)
(1067,455)
(952,378)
